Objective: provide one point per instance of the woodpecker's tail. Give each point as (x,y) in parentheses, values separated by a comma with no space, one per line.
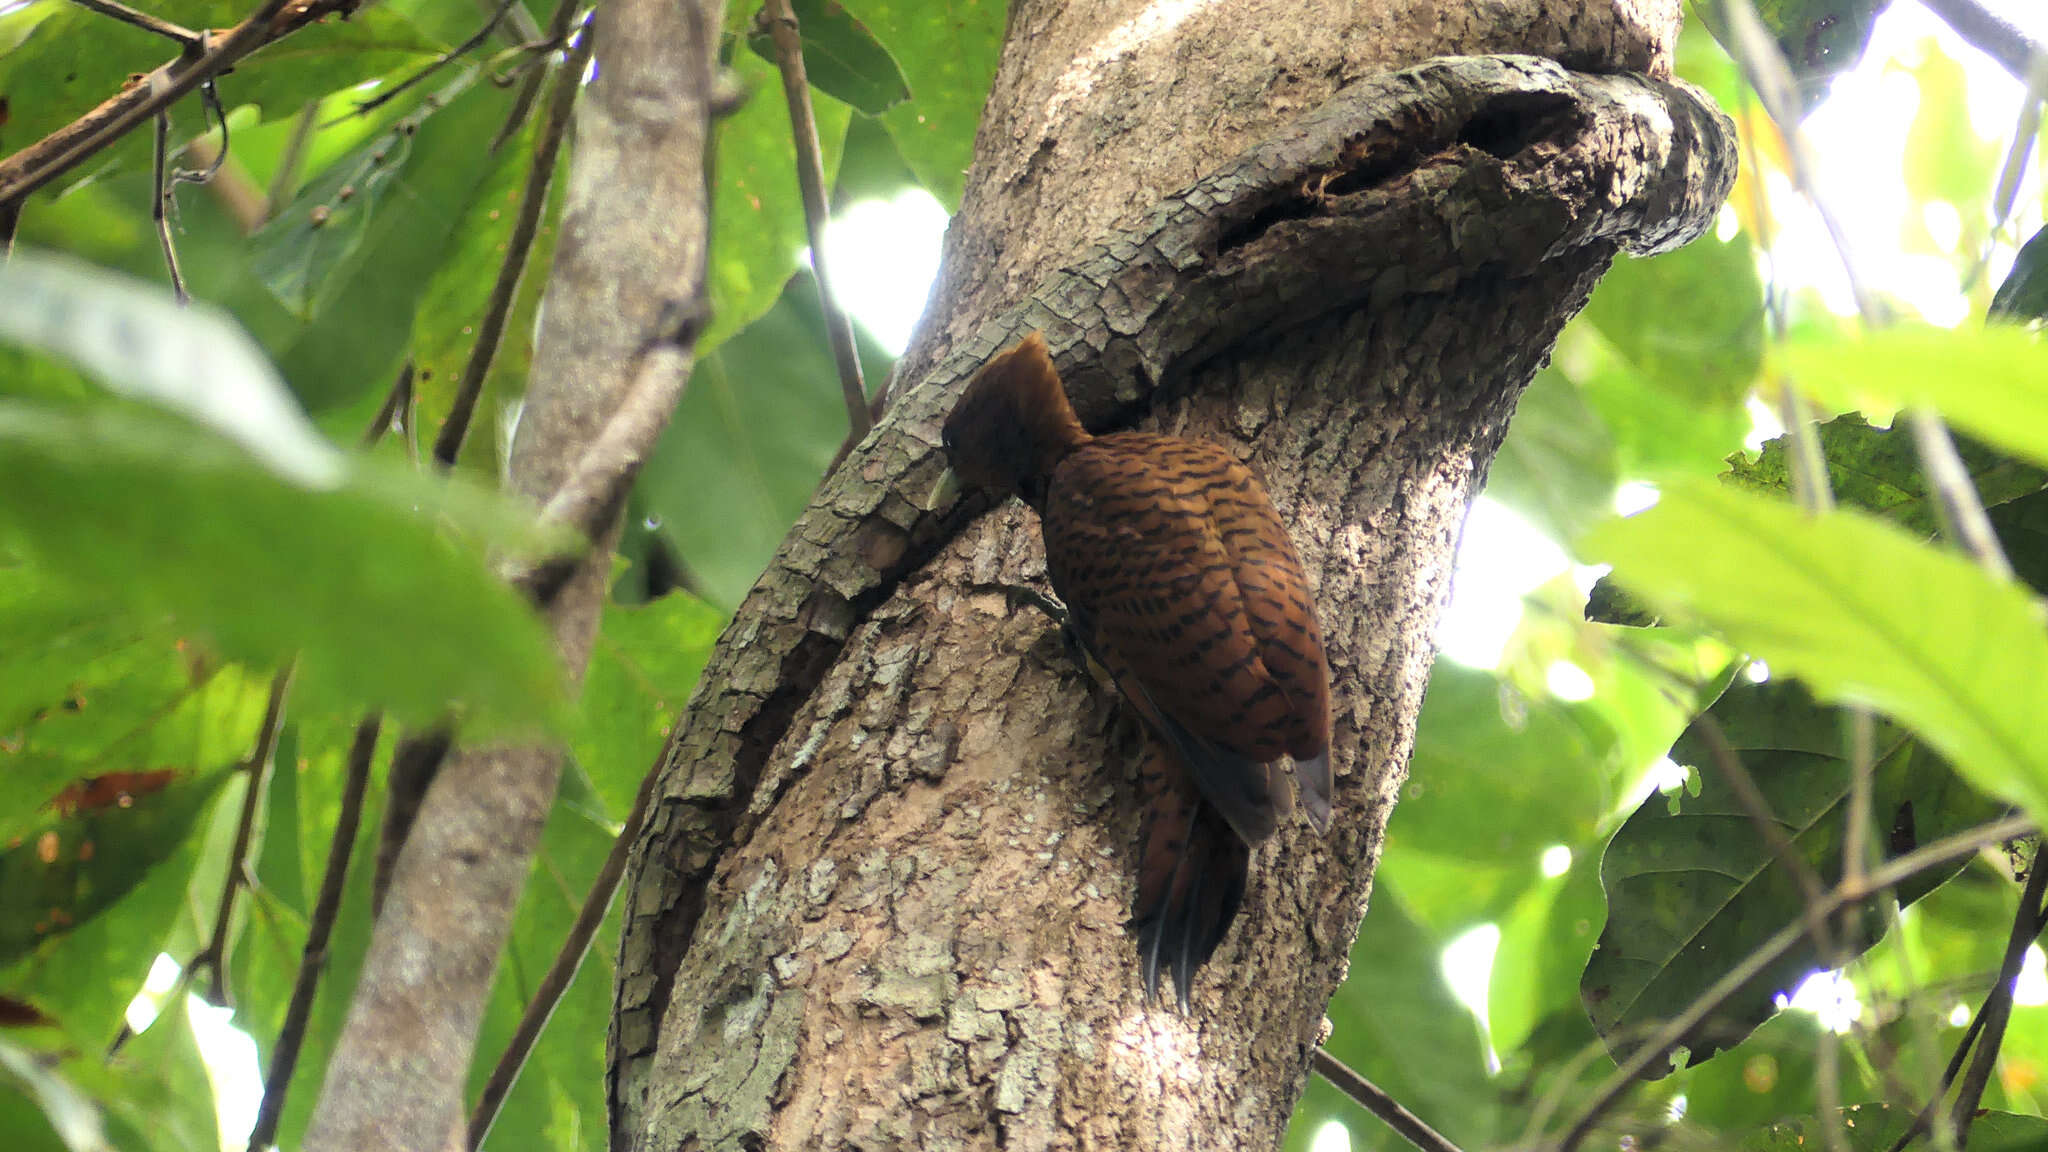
(1191,876)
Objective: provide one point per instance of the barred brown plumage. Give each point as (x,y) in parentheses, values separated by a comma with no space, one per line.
(1180,581)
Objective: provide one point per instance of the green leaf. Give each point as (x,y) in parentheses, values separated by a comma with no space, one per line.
(841,57)
(1396,1022)
(395,207)
(1557,465)
(948,52)
(140,342)
(1820,39)
(1862,613)
(2023,295)
(1693,886)
(327,57)
(1544,943)
(1991,382)
(753,434)
(757,213)
(1771,1075)
(264,960)
(1545,767)
(79,863)
(642,668)
(163,519)
(1945,159)
(1666,352)
(1878,470)
(158,1087)
(69,1115)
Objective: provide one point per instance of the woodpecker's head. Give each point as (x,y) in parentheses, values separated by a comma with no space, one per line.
(1013,424)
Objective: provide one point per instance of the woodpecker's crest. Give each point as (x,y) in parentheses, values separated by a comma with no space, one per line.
(1013,425)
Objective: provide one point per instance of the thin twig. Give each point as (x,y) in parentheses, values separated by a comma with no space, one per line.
(71,145)
(518,247)
(184,37)
(1956,503)
(2026,927)
(159,209)
(562,972)
(291,1035)
(396,402)
(1754,806)
(1407,1125)
(214,955)
(1990,33)
(810,177)
(1935,855)
(387,95)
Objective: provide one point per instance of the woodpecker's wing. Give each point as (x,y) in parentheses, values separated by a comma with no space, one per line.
(1192,598)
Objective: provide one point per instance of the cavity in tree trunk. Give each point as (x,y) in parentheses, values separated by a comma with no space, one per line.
(880,900)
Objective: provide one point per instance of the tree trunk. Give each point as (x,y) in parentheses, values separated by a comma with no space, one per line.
(880,901)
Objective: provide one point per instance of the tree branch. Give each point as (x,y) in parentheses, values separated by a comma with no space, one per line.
(1369,1096)
(1946,851)
(1991,33)
(634,238)
(810,177)
(73,144)
(533,202)
(291,1034)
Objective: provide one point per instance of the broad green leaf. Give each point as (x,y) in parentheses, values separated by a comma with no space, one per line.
(1666,352)
(841,57)
(2023,295)
(395,207)
(1396,1022)
(1991,382)
(757,426)
(1878,470)
(1544,942)
(69,1118)
(757,211)
(1557,465)
(159,519)
(1819,39)
(140,342)
(1769,1076)
(1693,885)
(329,56)
(1862,613)
(444,332)
(158,1089)
(1545,769)
(871,168)
(94,849)
(948,54)
(642,669)
(1876,1127)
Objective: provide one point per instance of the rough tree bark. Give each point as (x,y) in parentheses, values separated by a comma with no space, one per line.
(879,902)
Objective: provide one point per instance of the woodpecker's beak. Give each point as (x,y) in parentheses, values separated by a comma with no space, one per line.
(945,491)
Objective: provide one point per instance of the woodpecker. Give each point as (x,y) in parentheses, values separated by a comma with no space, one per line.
(1181,584)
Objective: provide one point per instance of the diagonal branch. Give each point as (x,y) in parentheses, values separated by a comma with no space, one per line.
(810,177)
(73,144)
